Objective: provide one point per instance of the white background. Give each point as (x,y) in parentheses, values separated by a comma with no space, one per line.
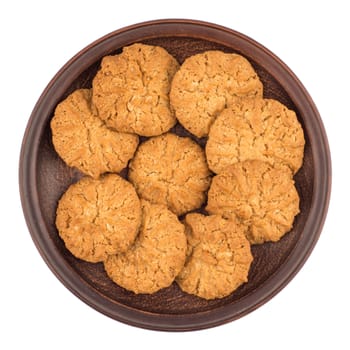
(38,37)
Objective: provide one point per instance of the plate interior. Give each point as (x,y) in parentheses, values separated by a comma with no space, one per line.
(54,177)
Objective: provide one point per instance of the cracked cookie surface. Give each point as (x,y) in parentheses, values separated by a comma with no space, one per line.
(208,82)
(260,196)
(131,90)
(83,141)
(262,129)
(157,255)
(96,218)
(171,170)
(218,257)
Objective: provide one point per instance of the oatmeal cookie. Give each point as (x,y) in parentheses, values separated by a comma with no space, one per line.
(98,217)
(262,129)
(171,170)
(83,141)
(218,257)
(131,90)
(259,195)
(157,255)
(208,82)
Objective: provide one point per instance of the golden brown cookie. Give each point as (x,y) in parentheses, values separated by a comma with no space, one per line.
(157,255)
(262,129)
(83,141)
(259,195)
(96,218)
(171,170)
(218,257)
(208,82)
(131,90)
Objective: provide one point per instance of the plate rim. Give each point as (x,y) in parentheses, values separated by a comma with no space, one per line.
(173,322)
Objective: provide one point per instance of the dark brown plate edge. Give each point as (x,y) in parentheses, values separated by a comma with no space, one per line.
(221,315)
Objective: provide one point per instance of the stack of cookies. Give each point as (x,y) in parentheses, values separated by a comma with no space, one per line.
(183,213)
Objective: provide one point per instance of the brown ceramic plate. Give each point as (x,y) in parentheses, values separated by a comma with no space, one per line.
(44,177)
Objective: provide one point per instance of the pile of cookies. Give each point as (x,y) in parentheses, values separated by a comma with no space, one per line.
(149,229)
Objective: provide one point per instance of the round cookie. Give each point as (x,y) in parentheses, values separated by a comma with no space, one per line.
(262,129)
(260,196)
(171,170)
(131,90)
(157,255)
(83,141)
(96,218)
(208,82)
(218,257)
